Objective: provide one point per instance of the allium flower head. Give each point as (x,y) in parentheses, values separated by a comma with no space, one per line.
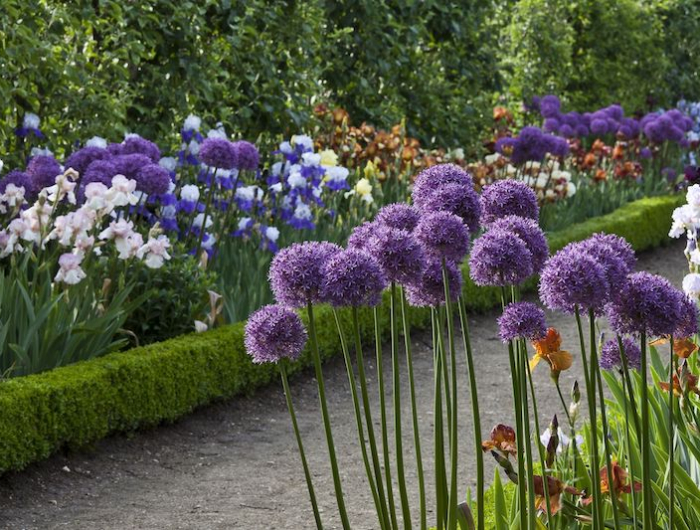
(99,171)
(443,235)
(361,235)
(532,235)
(247,155)
(273,333)
(218,153)
(522,320)
(456,199)
(500,258)
(400,215)
(550,105)
(130,165)
(141,146)
(610,358)
(153,179)
(573,279)
(296,272)
(398,253)
(614,259)
(81,159)
(437,176)
(43,171)
(352,278)
(647,303)
(508,197)
(688,322)
(430,289)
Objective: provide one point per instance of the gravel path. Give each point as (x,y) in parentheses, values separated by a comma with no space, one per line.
(235,464)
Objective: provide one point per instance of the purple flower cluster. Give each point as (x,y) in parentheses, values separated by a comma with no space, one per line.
(434,178)
(273,333)
(21,180)
(532,235)
(43,171)
(671,125)
(399,215)
(573,279)
(500,259)
(430,290)
(531,145)
(610,358)
(688,322)
(508,197)
(218,153)
(647,303)
(297,272)
(352,278)
(522,320)
(443,235)
(398,253)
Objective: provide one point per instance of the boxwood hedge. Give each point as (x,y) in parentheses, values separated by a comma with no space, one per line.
(79,404)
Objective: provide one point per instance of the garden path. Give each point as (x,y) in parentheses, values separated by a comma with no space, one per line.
(235,464)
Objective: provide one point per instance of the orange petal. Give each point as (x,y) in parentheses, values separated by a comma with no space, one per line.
(535,361)
(560,360)
(684,348)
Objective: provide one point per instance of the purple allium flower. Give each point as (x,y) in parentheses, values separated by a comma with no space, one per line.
(443,235)
(115,149)
(615,269)
(99,171)
(247,156)
(137,145)
(567,131)
(218,153)
(398,253)
(505,145)
(573,279)
(43,171)
(531,234)
(399,215)
(581,130)
(456,199)
(296,272)
(437,176)
(617,246)
(530,145)
(550,105)
(610,358)
(81,159)
(645,153)
(274,332)
(500,258)
(352,278)
(646,303)
(430,289)
(556,146)
(153,179)
(361,235)
(130,165)
(508,197)
(522,320)
(551,125)
(19,179)
(688,323)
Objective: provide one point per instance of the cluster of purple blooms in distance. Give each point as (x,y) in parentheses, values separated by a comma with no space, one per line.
(610,358)
(657,127)
(532,145)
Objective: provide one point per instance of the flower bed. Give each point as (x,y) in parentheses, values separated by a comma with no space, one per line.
(82,403)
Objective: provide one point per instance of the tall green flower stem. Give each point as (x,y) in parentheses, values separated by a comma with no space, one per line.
(382,413)
(591,400)
(400,473)
(340,499)
(595,368)
(475,413)
(374,478)
(453,499)
(629,403)
(414,412)
(671,440)
(521,359)
(514,372)
(540,448)
(645,440)
(300,445)
(439,443)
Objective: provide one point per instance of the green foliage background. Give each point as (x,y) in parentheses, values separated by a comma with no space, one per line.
(106,67)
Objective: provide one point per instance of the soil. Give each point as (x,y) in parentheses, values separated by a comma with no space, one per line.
(235,464)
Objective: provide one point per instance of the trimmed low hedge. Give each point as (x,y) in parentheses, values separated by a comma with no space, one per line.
(80,404)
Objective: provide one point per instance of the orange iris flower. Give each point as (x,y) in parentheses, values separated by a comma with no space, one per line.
(690,380)
(684,347)
(555,488)
(549,350)
(619,483)
(502,439)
